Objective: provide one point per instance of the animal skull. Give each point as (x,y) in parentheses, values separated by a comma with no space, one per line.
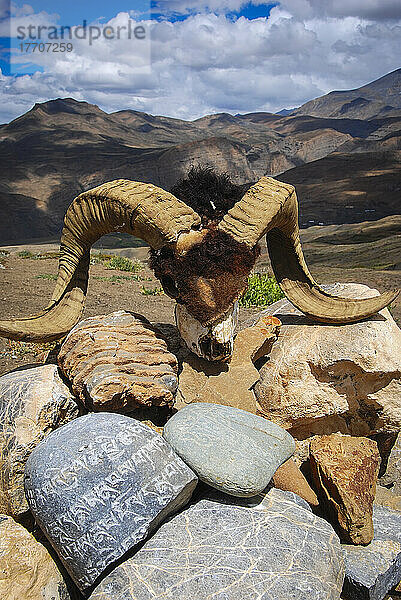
(206,309)
(215,342)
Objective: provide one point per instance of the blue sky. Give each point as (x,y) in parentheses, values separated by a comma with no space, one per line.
(75,13)
(204,56)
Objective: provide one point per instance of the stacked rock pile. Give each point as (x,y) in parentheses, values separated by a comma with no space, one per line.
(277,501)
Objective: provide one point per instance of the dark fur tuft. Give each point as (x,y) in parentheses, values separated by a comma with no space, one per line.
(217,254)
(210,194)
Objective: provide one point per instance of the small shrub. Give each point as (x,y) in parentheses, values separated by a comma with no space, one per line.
(118,263)
(38,256)
(49,276)
(262,291)
(19,349)
(157,291)
(47,255)
(100,259)
(26,254)
(121,263)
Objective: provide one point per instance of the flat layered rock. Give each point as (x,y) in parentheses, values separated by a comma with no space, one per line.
(27,571)
(228,448)
(275,551)
(344,470)
(33,402)
(98,485)
(118,362)
(323,378)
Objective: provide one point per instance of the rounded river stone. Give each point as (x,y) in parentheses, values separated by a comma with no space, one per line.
(98,485)
(230,449)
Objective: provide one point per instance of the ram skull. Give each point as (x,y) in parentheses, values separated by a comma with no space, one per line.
(206,300)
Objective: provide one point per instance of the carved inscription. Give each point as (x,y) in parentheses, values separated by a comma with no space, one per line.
(98,487)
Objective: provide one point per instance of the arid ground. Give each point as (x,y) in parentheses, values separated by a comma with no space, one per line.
(26,285)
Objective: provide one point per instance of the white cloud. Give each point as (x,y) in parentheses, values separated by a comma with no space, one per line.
(190,6)
(209,63)
(364,9)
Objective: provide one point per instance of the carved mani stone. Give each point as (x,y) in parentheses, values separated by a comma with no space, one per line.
(99,485)
(117,362)
(33,403)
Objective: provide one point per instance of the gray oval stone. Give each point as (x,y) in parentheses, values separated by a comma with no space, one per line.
(230,449)
(98,485)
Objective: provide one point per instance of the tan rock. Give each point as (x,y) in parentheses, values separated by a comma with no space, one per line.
(33,402)
(228,384)
(290,478)
(27,571)
(322,378)
(118,362)
(344,470)
(385,497)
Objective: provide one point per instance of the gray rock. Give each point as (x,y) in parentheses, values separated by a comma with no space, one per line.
(392,476)
(33,402)
(385,497)
(260,501)
(285,496)
(98,485)
(229,449)
(387,523)
(374,570)
(225,552)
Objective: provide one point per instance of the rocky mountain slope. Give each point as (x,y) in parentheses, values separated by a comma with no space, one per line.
(62,147)
(381,98)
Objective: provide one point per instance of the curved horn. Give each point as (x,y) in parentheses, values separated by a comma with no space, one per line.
(270,207)
(141,209)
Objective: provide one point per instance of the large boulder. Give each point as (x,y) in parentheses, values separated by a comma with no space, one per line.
(119,362)
(230,449)
(324,378)
(33,402)
(344,470)
(27,571)
(276,550)
(99,485)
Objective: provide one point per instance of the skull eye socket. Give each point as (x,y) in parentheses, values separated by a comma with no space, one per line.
(169,286)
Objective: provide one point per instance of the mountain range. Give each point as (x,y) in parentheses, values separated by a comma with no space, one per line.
(342,152)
